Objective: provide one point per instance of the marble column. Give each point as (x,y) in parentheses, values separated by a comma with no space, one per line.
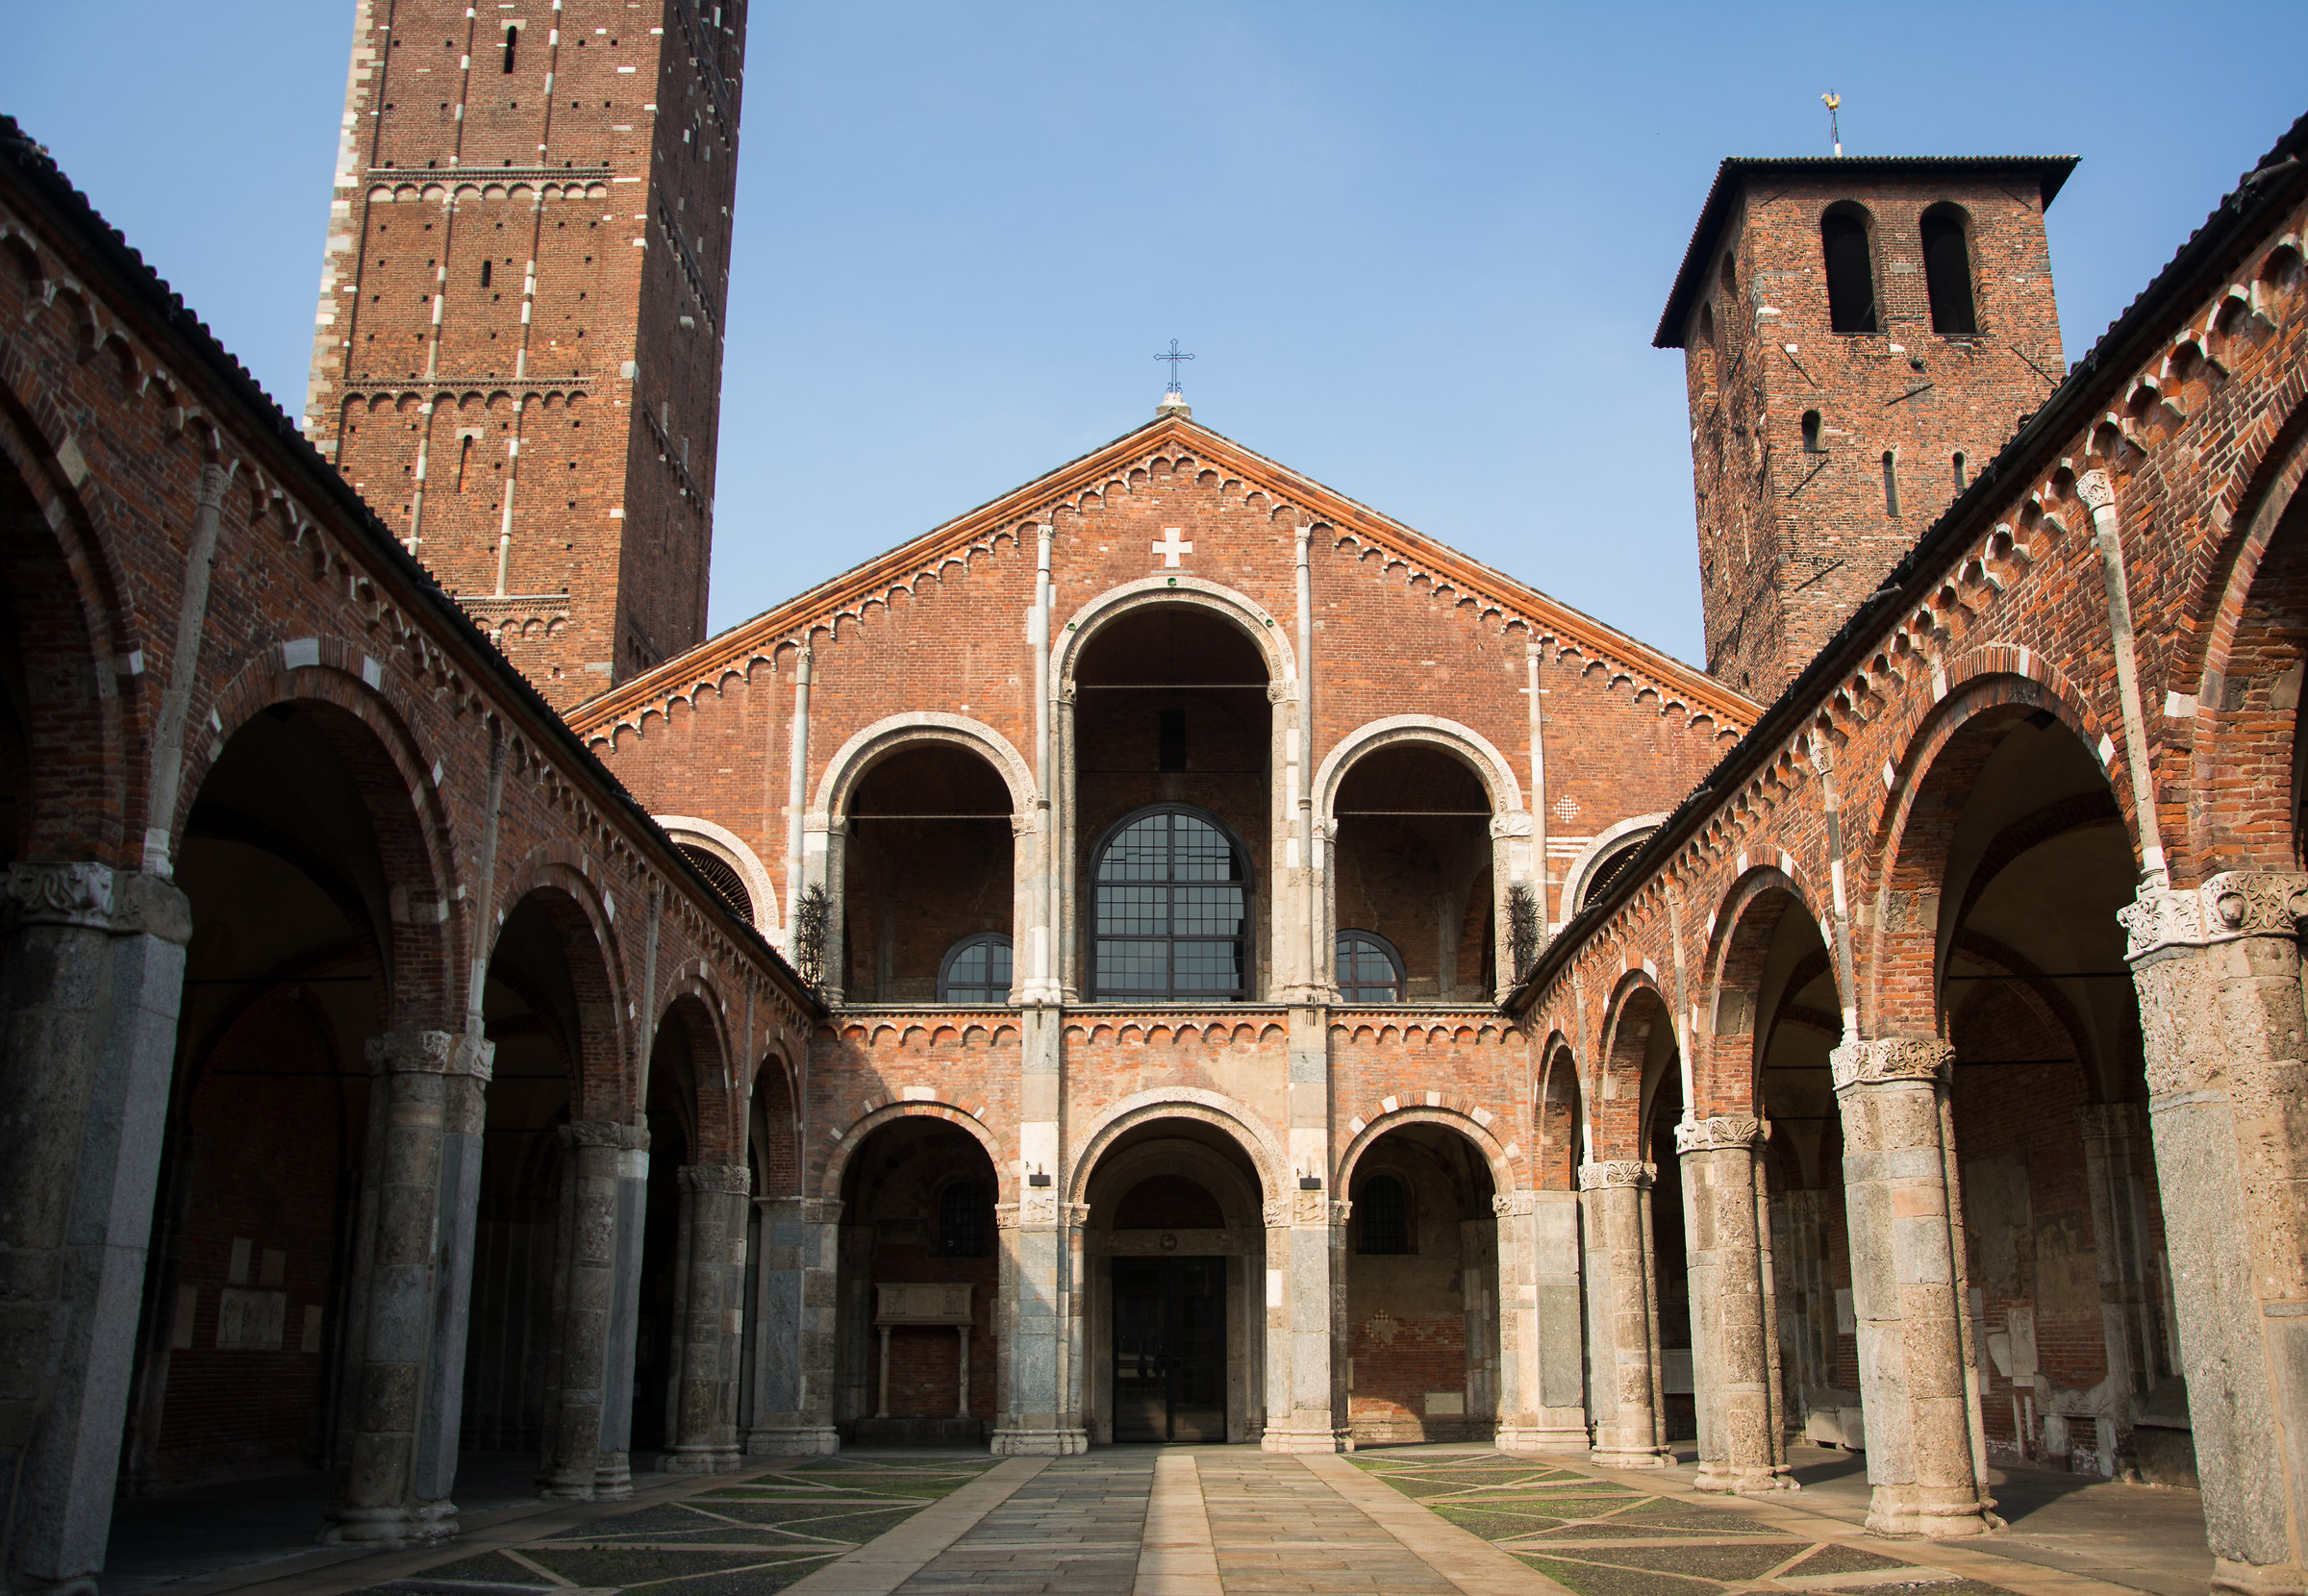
(1622,1315)
(794,1329)
(1038,1325)
(91,968)
(2218,970)
(1918,1381)
(705,1395)
(1742,1443)
(579,1445)
(1305,1318)
(2116,1152)
(1542,1352)
(405,1364)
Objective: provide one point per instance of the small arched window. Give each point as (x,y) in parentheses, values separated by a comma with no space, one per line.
(962,1220)
(1370,968)
(486,268)
(1707,330)
(465,455)
(976,970)
(1813,443)
(1962,479)
(1384,1209)
(1948,272)
(723,878)
(1850,271)
(1172,911)
(1729,273)
(513,38)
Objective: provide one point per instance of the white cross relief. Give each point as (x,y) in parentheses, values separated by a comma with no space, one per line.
(1169,548)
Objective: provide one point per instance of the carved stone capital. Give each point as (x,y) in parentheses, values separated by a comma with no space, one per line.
(717,1177)
(1276,1212)
(821,1210)
(1035,1209)
(1027,823)
(606,1133)
(1892,1060)
(1723,1131)
(2233,905)
(2096,490)
(94,896)
(1282,691)
(417,1052)
(1512,823)
(1595,1176)
(1515,1204)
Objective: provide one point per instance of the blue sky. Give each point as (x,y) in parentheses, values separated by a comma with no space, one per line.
(1418,249)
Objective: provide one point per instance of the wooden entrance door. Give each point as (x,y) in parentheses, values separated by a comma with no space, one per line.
(1170,1348)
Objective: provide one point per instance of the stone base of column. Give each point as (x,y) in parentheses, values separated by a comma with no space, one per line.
(1757,1480)
(792,1440)
(1541,1437)
(1282,1437)
(612,1478)
(1629,1456)
(1019,1441)
(1930,1512)
(2254,1578)
(699,1460)
(385,1528)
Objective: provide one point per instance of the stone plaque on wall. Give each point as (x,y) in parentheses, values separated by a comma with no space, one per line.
(922,1303)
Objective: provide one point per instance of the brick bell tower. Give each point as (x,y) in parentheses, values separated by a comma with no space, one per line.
(517,359)
(1859,336)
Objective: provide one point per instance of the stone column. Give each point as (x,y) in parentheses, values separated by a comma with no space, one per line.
(1306,1319)
(91,967)
(615,1479)
(576,1439)
(1806,1301)
(1741,1445)
(1036,1326)
(1542,1352)
(705,1397)
(1622,1315)
(2131,1326)
(2217,969)
(794,1338)
(406,1365)
(1926,1456)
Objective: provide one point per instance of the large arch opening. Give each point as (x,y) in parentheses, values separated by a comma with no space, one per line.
(927,879)
(1176,1258)
(1170,715)
(2018,833)
(1422,1289)
(768,1353)
(684,1043)
(918,1275)
(1412,895)
(298,838)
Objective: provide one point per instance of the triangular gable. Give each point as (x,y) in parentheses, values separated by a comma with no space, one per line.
(1001,519)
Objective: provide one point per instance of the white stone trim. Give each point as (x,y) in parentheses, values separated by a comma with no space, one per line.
(1497,770)
(1265,628)
(731,849)
(1574,879)
(1255,1136)
(886,735)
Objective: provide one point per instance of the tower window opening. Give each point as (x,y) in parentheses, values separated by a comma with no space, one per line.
(1962,480)
(1730,274)
(1891,483)
(486,266)
(1170,754)
(513,40)
(1850,272)
(1947,273)
(1813,443)
(464,454)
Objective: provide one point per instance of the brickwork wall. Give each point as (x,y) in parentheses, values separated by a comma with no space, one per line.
(1792,536)
(524,303)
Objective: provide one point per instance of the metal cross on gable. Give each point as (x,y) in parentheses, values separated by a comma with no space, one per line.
(1174,354)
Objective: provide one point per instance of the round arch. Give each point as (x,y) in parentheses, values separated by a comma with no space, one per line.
(1257,1140)
(1734,971)
(1265,630)
(873,743)
(837,1163)
(1238,1200)
(1604,843)
(605,1084)
(731,849)
(1502,1167)
(1494,769)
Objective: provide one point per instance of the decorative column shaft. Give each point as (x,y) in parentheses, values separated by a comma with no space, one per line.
(1037,1327)
(427,1101)
(1623,1318)
(2218,970)
(577,1440)
(1743,1445)
(1541,1402)
(1926,1456)
(705,1397)
(91,968)
(793,1332)
(1306,1315)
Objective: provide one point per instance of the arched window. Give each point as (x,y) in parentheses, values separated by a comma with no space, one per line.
(1370,968)
(1729,272)
(1961,480)
(1948,272)
(1384,1209)
(962,1220)
(1173,910)
(1607,869)
(1812,443)
(1850,271)
(976,970)
(513,38)
(723,878)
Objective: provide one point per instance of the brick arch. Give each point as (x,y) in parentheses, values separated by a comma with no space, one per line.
(56,558)
(1264,629)
(886,737)
(1500,1158)
(1617,1120)
(607,1082)
(1256,1138)
(1478,752)
(837,1163)
(1899,991)
(715,1122)
(1748,918)
(1559,1117)
(408,817)
(776,1160)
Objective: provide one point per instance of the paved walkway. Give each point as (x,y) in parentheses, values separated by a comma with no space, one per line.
(1232,1521)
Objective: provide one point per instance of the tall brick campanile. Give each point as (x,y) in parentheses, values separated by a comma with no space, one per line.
(1859,336)
(518,358)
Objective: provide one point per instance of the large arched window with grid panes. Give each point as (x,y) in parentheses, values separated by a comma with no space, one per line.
(1172,915)
(1370,968)
(976,970)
